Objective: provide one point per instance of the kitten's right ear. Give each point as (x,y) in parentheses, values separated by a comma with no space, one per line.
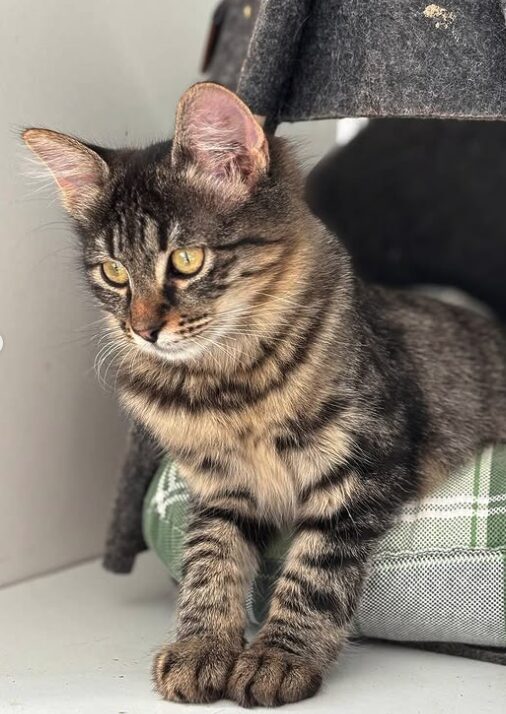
(217,135)
(80,173)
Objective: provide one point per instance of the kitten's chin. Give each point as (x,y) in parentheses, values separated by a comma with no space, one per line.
(172,353)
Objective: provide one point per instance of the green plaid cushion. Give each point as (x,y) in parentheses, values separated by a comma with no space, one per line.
(438,575)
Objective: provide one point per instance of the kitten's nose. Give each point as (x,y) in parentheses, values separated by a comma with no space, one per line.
(146,318)
(150,333)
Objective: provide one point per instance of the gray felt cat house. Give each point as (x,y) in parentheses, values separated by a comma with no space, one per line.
(295,60)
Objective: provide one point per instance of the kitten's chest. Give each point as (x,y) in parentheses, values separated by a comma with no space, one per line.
(239,452)
(251,461)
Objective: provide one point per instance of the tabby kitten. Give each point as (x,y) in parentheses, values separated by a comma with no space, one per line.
(289,393)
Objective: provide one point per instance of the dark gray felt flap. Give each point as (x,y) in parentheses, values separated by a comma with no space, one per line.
(325,58)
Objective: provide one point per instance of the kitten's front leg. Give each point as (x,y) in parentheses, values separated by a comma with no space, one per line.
(219,561)
(314,600)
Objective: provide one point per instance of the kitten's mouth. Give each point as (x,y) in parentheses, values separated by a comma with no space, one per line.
(186,342)
(178,344)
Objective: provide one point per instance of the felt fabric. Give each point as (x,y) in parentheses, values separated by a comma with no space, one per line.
(294,60)
(313,59)
(493,655)
(233,24)
(124,538)
(276,41)
(420,202)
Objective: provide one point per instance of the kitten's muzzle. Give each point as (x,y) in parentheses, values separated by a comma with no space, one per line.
(150,332)
(147,318)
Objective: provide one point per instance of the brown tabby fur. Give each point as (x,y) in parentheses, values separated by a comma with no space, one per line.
(315,401)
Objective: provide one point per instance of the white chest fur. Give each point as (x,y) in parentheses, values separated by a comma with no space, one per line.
(245,443)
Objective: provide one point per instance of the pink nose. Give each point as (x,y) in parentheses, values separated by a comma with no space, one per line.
(150,334)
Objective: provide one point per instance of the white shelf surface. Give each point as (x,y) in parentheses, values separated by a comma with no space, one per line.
(80,642)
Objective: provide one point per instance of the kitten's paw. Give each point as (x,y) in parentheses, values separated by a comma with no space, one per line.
(194,669)
(268,677)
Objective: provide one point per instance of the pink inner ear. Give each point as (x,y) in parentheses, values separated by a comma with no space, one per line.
(222,134)
(75,181)
(72,170)
(77,170)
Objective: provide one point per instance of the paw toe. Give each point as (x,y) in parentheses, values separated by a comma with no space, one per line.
(193,670)
(270,677)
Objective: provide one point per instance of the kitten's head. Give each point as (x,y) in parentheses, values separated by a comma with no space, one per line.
(183,242)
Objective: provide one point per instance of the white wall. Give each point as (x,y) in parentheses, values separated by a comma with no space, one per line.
(109,71)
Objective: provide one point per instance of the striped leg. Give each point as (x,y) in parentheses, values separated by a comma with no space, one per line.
(311,608)
(220,558)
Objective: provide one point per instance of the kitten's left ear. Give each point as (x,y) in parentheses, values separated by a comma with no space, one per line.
(80,173)
(218,134)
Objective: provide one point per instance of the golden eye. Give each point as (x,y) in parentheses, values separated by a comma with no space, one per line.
(187,261)
(114,272)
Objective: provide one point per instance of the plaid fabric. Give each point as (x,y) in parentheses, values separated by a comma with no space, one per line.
(438,575)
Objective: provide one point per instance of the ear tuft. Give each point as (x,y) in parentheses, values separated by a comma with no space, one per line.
(80,173)
(217,133)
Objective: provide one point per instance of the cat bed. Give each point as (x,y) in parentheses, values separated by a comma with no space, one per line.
(294,60)
(439,575)
(299,60)
(420,202)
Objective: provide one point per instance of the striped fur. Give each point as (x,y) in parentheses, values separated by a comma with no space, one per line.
(301,398)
